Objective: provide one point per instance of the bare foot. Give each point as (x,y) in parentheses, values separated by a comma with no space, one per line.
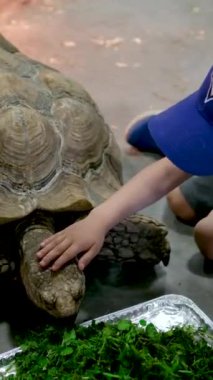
(131,151)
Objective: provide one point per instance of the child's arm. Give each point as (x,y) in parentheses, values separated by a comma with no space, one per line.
(145,188)
(88,235)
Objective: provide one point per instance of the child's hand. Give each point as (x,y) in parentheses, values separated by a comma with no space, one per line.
(86,236)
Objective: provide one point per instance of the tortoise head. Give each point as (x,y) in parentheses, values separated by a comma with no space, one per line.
(64,297)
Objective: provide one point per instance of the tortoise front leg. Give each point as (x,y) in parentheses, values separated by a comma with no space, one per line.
(8,251)
(137,238)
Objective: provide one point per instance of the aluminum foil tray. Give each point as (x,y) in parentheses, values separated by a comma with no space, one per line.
(164,312)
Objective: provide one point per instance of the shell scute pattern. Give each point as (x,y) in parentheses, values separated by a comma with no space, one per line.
(51,131)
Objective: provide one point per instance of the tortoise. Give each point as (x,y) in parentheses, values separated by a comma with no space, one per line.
(58,159)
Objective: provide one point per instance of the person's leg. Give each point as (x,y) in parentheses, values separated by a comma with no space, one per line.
(193,200)
(138,136)
(180,207)
(203,233)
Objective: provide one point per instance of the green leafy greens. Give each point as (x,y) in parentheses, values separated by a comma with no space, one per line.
(119,350)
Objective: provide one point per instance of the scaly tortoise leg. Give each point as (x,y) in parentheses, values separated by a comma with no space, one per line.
(8,251)
(7,266)
(139,238)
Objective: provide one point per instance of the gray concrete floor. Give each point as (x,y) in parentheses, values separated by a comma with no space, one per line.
(131,56)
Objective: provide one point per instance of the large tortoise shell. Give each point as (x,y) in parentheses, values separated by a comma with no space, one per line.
(56,151)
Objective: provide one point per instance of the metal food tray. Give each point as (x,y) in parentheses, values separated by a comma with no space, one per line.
(164,312)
